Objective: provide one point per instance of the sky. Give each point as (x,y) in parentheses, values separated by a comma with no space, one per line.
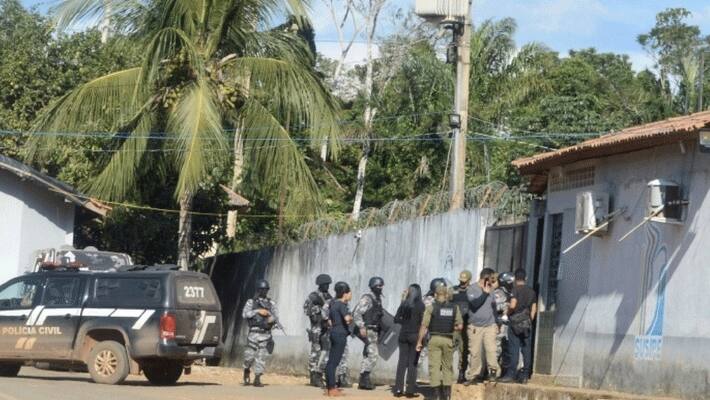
(608,25)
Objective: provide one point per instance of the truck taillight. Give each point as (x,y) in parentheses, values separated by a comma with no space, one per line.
(167,327)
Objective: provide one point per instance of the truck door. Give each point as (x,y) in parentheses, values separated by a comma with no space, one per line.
(18,303)
(57,324)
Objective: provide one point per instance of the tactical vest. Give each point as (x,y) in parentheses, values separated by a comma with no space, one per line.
(460,298)
(258,321)
(443,318)
(373,316)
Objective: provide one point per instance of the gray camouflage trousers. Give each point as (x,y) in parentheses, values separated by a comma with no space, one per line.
(370,353)
(255,353)
(318,356)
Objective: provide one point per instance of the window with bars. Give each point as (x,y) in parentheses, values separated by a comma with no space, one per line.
(572,179)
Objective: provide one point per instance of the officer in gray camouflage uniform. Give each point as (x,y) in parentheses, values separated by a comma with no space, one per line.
(501,295)
(261,316)
(318,330)
(367,316)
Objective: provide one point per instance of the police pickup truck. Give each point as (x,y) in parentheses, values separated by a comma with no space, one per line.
(152,319)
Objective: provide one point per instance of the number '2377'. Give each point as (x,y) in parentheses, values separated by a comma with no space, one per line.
(192,292)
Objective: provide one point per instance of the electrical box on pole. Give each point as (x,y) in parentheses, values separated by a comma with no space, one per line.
(437,11)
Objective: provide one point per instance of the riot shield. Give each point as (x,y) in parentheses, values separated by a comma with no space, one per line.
(389,336)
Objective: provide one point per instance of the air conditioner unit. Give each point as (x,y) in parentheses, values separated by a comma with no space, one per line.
(439,10)
(592,209)
(666,196)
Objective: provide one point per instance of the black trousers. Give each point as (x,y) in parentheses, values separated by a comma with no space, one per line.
(337,348)
(407,363)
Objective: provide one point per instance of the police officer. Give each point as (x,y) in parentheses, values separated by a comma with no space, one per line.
(441,320)
(318,330)
(261,316)
(429,297)
(368,317)
(342,371)
(502,293)
(460,298)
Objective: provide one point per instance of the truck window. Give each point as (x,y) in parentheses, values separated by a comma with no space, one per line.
(19,294)
(192,291)
(128,292)
(62,292)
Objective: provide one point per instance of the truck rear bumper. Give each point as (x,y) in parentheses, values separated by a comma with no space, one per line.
(176,352)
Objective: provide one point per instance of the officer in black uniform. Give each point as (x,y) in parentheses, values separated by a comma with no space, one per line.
(461,339)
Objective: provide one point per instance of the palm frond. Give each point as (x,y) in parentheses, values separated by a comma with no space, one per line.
(201,143)
(89,13)
(118,177)
(292,93)
(104,104)
(275,160)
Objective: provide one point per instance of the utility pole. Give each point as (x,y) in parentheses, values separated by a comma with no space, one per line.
(459,120)
(701,80)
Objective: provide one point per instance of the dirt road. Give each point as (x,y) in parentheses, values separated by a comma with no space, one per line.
(203,383)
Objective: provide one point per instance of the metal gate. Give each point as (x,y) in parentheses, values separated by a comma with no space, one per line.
(504,247)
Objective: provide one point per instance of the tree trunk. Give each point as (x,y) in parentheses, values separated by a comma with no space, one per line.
(369,114)
(106,22)
(238,170)
(185,231)
(360,181)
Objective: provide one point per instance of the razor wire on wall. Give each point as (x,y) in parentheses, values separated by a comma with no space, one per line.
(509,204)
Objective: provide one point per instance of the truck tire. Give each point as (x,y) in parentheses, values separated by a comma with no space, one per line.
(9,370)
(108,363)
(163,373)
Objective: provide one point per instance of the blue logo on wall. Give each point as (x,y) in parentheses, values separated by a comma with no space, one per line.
(649,344)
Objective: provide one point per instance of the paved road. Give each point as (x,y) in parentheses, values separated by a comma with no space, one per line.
(207,384)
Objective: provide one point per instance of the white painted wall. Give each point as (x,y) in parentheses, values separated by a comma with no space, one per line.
(31,218)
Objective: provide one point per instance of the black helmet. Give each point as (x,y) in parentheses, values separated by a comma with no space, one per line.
(436,282)
(262,284)
(376,281)
(323,279)
(506,279)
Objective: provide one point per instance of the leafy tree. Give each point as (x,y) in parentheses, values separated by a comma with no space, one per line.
(206,65)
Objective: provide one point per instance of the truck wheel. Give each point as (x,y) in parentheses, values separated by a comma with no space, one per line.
(10,370)
(108,363)
(165,373)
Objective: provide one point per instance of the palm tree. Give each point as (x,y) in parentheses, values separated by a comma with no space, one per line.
(210,68)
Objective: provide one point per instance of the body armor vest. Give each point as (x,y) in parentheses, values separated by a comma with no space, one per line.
(258,321)
(373,316)
(443,319)
(460,298)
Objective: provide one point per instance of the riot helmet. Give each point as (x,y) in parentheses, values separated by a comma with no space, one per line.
(323,281)
(376,283)
(262,287)
(436,282)
(506,280)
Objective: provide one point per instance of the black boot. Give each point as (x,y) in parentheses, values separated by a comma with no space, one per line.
(365,383)
(319,380)
(247,379)
(343,381)
(462,377)
(439,393)
(257,381)
(313,381)
(446,392)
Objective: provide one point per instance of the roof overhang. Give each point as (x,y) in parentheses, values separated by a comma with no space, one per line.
(70,194)
(628,140)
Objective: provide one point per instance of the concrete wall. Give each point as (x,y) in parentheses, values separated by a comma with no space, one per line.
(410,252)
(630,315)
(31,218)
